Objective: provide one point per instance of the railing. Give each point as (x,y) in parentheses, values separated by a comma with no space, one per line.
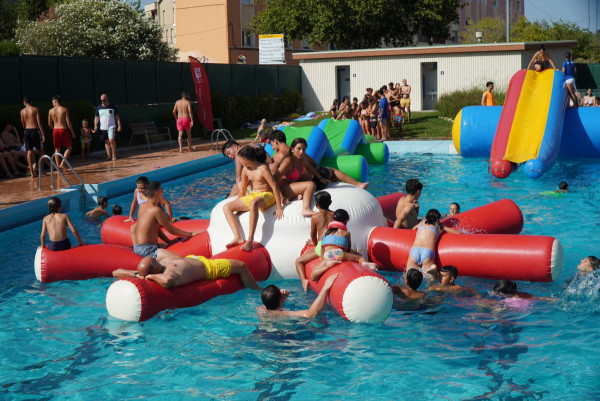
(54,166)
(226,135)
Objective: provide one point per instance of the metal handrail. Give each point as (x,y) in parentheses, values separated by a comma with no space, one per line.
(226,134)
(54,166)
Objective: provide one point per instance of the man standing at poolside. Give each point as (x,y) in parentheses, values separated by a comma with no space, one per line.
(59,121)
(405,101)
(185,121)
(33,136)
(108,117)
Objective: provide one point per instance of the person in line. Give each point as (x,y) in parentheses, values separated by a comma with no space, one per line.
(60,124)
(398,118)
(407,209)
(230,150)
(185,119)
(588,265)
(177,271)
(55,224)
(454,209)
(139,198)
(108,121)
(117,210)
(86,138)
(99,211)
(410,292)
(405,101)
(151,217)
(291,171)
(33,136)
(373,108)
(541,60)
(274,297)
(488,97)
(318,227)
(265,193)
(569,69)
(333,110)
(589,99)
(422,253)
(363,108)
(384,115)
(336,246)
(354,108)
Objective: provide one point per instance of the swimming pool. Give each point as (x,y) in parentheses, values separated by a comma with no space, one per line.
(58,341)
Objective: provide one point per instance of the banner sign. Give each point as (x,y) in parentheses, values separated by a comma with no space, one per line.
(271,49)
(202,93)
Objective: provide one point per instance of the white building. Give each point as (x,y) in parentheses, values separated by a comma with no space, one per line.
(431,71)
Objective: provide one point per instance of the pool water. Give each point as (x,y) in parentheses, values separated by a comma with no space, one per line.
(58,341)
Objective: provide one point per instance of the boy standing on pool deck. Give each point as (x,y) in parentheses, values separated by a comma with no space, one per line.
(407,209)
(151,218)
(185,120)
(265,193)
(56,225)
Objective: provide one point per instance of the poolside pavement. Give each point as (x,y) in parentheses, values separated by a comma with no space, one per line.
(95,170)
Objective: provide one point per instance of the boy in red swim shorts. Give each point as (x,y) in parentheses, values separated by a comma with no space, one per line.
(183,114)
(58,120)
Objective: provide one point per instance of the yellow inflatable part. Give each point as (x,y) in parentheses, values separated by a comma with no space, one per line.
(456,131)
(529,122)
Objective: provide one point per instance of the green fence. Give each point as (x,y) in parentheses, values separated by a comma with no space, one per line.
(588,76)
(133,82)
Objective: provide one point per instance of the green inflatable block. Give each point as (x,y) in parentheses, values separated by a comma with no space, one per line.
(354,165)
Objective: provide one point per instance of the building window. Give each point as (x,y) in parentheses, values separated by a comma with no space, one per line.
(248,38)
(247,2)
(164,17)
(518,7)
(495,3)
(305,44)
(167,35)
(171,35)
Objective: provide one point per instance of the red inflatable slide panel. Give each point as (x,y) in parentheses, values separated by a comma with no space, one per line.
(82,262)
(135,299)
(117,231)
(491,256)
(358,293)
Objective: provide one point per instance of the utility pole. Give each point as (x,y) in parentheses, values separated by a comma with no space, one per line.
(507,21)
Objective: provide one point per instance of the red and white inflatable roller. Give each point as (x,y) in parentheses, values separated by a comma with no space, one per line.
(136,300)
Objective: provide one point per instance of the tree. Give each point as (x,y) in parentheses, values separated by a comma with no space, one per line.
(356,24)
(493,29)
(94,28)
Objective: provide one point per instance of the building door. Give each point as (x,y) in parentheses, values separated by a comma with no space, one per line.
(429,85)
(343,81)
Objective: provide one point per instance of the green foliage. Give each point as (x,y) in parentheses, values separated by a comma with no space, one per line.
(9,13)
(9,48)
(450,104)
(94,28)
(493,29)
(356,24)
(236,110)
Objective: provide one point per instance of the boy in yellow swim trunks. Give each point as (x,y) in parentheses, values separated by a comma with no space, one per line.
(175,272)
(265,193)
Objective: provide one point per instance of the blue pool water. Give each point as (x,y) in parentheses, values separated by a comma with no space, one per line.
(59,343)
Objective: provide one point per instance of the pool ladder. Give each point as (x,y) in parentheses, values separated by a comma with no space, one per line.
(54,166)
(226,135)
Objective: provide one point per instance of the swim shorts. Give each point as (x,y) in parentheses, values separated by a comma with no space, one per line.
(405,102)
(59,245)
(32,139)
(373,122)
(570,81)
(398,119)
(107,134)
(266,196)
(144,250)
(184,123)
(61,138)
(420,254)
(215,268)
(383,120)
(335,254)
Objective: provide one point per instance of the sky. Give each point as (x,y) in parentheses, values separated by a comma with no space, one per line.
(574,11)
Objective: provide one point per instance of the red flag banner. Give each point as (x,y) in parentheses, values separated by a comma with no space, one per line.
(202,93)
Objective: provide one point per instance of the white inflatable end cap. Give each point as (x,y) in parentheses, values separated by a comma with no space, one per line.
(123,301)
(37,264)
(367,299)
(557,260)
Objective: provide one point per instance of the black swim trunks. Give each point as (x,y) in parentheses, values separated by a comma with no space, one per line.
(32,139)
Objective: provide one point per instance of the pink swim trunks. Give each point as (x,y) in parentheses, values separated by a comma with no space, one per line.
(183,123)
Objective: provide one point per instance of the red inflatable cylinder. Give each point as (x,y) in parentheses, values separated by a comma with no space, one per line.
(117,231)
(358,293)
(82,262)
(500,217)
(388,205)
(136,300)
(491,256)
